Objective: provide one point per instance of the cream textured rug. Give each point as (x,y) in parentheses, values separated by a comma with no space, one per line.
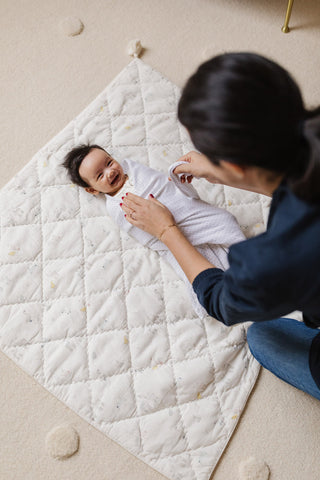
(46,79)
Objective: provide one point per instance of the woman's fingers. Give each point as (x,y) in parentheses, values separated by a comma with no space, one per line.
(186,157)
(126,208)
(133,200)
(196,165)
(148,214)
(133,204)
(184,177)
(183,168)
(154,200)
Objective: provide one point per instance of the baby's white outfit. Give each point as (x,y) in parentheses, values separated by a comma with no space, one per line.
(210,229)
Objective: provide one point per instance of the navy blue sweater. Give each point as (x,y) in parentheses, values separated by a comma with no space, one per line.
(271,274)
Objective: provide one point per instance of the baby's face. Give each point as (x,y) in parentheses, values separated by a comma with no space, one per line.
(101,172)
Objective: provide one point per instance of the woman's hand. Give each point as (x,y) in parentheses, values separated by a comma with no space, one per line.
(198,166)
(148,214)
(153,217)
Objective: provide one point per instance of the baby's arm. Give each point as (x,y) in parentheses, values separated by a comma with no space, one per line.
(186,187)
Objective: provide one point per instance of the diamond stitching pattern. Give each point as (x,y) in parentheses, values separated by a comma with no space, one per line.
(102,322)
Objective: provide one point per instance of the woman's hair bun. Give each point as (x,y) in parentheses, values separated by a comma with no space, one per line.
(305,182)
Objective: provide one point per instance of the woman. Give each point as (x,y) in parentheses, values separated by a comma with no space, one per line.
(245,114)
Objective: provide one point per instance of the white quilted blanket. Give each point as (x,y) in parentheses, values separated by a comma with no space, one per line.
(102,322)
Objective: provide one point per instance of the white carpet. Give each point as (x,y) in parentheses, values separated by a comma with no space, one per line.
(47,79)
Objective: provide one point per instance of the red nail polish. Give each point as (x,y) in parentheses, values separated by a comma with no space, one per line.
(151,195)
(122,198)
(125,215)
(120,204)
(126,194)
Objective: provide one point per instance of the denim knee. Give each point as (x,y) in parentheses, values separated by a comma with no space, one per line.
(254,338)
(283,346)
(251,335)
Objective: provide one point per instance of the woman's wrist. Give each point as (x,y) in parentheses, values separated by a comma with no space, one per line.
(190,260)
(163,232)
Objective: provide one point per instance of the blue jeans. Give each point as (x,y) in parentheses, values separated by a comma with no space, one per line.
(282,346)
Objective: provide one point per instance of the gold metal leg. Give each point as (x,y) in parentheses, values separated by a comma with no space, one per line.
(285,27)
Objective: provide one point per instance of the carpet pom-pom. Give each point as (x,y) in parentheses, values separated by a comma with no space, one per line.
(134,48)
(253,469)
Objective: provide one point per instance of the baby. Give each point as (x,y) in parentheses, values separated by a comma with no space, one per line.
(210,229)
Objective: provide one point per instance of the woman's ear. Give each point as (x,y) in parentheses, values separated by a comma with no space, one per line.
(237,171)
(92,191)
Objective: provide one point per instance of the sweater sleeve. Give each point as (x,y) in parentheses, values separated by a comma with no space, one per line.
(252,289)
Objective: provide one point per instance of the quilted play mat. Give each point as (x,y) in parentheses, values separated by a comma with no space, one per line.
(102,322)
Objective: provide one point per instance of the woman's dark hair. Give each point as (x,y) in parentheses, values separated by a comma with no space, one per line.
(73,161)
(246,109)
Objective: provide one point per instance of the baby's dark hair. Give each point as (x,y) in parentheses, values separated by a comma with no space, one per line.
(73,161)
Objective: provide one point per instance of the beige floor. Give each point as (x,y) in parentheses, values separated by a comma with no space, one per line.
(47,78)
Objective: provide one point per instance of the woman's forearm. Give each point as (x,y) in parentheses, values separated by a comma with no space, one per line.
(188,257)
(153,217)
